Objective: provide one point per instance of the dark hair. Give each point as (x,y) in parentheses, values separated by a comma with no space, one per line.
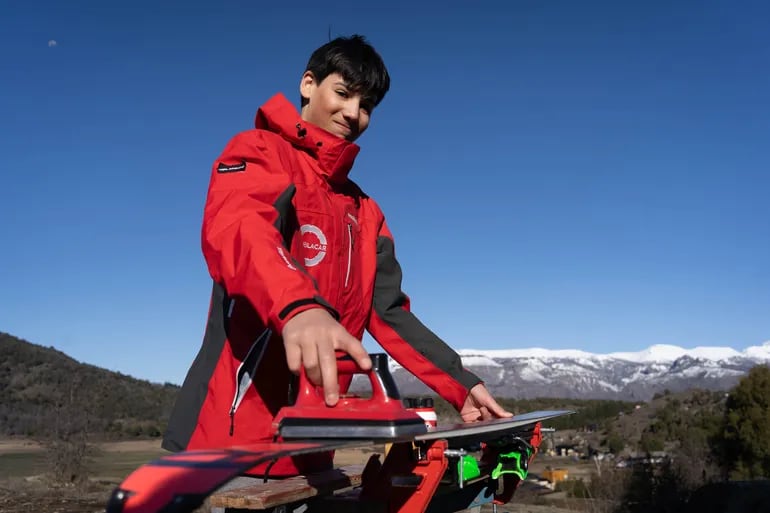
(358,63)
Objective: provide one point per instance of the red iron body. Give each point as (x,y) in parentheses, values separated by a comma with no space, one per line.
(379,417)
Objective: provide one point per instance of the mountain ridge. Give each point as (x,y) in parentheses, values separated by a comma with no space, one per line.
(524,373)
(654,352)
(539,372)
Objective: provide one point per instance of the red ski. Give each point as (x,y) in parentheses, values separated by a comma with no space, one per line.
(181,482)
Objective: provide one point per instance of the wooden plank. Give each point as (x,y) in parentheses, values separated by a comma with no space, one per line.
(275,493)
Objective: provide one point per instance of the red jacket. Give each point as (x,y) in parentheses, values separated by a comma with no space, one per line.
(285,230)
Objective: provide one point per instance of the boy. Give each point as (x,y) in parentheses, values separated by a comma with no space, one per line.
(302,263)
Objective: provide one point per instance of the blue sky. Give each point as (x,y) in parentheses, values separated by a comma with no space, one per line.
(587,175)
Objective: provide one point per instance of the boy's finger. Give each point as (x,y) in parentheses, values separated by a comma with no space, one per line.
(328,369)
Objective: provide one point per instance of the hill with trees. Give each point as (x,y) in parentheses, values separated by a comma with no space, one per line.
(44,392)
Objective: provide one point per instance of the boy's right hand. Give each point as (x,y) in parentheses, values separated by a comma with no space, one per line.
(311,339)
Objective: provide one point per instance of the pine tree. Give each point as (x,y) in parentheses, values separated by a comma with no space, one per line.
(743,445)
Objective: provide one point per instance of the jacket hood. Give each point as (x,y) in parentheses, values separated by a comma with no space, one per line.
(334,154)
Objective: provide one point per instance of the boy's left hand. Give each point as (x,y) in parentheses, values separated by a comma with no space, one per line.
(480,405)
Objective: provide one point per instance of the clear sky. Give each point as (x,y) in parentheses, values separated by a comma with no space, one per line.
(558,174)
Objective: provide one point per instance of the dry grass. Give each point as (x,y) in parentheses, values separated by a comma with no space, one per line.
(24,487)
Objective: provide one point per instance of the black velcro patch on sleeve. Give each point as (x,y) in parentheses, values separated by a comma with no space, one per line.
(225,168)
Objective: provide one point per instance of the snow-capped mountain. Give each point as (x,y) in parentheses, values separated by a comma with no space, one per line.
(527,373)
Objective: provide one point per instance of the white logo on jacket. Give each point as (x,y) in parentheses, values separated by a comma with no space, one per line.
(319,245)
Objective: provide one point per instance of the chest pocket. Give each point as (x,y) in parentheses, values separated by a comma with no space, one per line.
(305,232)
(313,241)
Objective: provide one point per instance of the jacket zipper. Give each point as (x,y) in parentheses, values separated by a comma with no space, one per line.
(350,253)
(253,357)
(235,401)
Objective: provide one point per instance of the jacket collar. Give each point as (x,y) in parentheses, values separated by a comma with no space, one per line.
(335,155)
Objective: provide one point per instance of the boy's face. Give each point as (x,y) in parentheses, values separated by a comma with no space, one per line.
(331,105)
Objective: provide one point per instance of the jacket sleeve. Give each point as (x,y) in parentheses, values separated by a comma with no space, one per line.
(241,234)
(406,338)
